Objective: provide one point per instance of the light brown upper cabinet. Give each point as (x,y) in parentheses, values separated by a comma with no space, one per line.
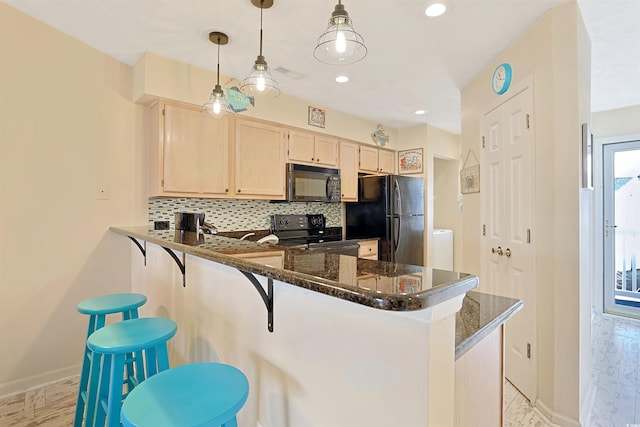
(189,152)
(349,171)
(377,160)
(312,148)
(259,160)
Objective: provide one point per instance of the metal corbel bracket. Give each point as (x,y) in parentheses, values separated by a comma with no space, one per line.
(143,250)
(267,297)
(181,264)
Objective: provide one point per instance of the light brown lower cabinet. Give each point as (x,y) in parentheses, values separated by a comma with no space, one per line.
(368,249)
(479,383)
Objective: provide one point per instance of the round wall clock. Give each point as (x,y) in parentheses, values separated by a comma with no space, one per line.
(501,79)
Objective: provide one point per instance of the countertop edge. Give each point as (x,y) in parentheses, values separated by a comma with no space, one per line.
(474,339)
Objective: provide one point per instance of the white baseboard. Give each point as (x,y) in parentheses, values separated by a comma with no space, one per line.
(588,403)
(25,384)
(554,418)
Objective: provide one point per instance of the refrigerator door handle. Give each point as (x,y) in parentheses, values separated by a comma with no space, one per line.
(397,199)
(396,235)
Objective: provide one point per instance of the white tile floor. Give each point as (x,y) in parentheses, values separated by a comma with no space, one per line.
(615,360)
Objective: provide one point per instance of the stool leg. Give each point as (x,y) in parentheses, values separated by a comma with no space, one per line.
(163,357)
(231,423)
(151,360)
(103,391)
(93,388)
(114,399)
(95,322)
(131,357)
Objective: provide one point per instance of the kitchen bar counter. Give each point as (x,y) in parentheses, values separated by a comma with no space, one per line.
(388,336)
(378,284)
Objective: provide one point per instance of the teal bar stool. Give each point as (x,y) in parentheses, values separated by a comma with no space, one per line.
(145,339)
(200,394)
(98,308)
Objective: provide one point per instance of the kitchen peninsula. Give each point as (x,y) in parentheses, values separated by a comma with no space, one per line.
(354,341)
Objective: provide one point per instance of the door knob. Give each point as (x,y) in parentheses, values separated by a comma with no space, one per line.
(498,251)
(507,252)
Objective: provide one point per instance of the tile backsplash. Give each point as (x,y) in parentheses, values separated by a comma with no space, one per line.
(239,215)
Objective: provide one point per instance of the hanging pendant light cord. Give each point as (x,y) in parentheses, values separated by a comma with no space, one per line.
(218,76)
(261,9)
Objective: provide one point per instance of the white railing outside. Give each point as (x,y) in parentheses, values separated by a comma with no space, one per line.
(627,254)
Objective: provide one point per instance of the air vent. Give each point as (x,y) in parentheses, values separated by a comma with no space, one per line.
(291,74)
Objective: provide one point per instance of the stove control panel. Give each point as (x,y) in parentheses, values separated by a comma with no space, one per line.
(297,222)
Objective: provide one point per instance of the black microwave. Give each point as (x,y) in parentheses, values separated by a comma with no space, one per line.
(312,184)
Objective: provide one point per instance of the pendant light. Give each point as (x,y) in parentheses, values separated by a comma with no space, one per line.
(259,82)
(340,43)
(217,105)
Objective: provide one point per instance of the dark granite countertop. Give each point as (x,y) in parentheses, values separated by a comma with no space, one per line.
(481,314)
(377,284)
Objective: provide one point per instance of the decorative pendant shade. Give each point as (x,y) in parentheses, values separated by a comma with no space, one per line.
(217,105)
(340,44)
(259,82)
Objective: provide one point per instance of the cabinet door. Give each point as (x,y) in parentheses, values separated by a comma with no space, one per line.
(386,161)
(260,155)
(326,151)
(349,171)
(195,151)
(301,147)
(368,159)
(312,149)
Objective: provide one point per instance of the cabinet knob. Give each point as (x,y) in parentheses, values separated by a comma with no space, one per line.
(226,190)
(318,159)
(239,190)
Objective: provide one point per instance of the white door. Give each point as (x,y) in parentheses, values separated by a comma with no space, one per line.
(507,193)
(621,195)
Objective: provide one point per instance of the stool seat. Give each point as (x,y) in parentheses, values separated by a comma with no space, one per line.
(109,304)
(200,394)
(131,335)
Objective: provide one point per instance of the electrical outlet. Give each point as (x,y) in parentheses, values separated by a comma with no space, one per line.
(102,192)
(160,225)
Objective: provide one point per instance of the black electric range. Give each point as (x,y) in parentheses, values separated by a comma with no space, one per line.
(309,231)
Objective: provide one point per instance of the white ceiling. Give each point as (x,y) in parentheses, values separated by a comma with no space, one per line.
(413,61)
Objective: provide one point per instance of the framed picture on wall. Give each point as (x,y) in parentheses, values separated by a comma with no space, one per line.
(410,161)
(316,117)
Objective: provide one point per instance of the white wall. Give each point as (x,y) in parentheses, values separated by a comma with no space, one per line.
(553,53)
(68,128)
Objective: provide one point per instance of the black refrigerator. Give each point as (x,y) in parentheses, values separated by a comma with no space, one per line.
(390,208)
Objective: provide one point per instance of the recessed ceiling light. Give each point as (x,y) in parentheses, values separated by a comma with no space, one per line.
(342,79)
(420,112)
(435,9)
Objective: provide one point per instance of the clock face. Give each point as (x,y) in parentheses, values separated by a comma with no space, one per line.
(501,79)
